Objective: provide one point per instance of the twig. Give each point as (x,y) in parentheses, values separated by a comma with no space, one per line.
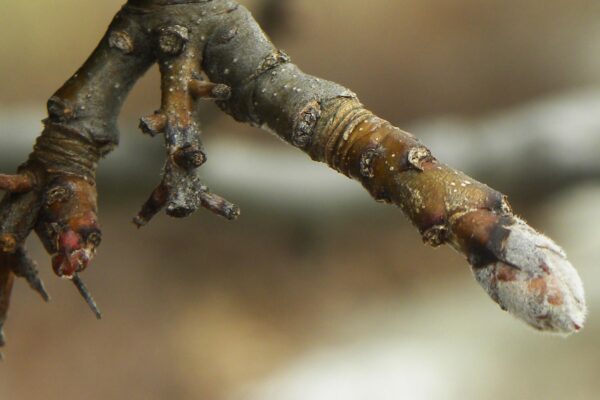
(87,296)
(215,50)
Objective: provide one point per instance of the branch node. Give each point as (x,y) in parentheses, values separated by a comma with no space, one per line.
(209,90)
(172,39)
(271,61)
(228,35)
(307,120)
(417,156)
(8,243)
(189,157)
(366,163)
(60,109)
(58,194)
(436,235)
(121,41)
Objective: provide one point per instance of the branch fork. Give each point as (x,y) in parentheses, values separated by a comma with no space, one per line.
(181,191)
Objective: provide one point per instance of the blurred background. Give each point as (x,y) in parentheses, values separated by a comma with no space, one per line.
(317,292)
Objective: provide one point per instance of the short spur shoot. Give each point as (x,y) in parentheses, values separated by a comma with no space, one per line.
(214,50)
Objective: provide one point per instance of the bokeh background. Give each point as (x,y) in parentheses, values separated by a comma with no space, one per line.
(317,292)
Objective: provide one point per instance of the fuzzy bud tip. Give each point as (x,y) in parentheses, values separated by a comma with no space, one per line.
(534,281)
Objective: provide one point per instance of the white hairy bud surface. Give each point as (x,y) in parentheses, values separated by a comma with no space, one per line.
(535,282)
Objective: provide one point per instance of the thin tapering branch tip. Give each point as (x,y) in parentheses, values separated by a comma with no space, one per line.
(220,206)
(87,296)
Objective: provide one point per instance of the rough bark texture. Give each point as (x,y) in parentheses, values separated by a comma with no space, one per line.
(214,49)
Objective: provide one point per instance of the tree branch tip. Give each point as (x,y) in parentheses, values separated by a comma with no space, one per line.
(46,297)
(220,206)
(533,280)
(153,125)
(34,281)
(87,296)
(139,222)
(231,212)
(156,202)
(19,183)
(40,288)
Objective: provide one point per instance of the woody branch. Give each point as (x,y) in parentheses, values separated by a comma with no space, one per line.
(214,49)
